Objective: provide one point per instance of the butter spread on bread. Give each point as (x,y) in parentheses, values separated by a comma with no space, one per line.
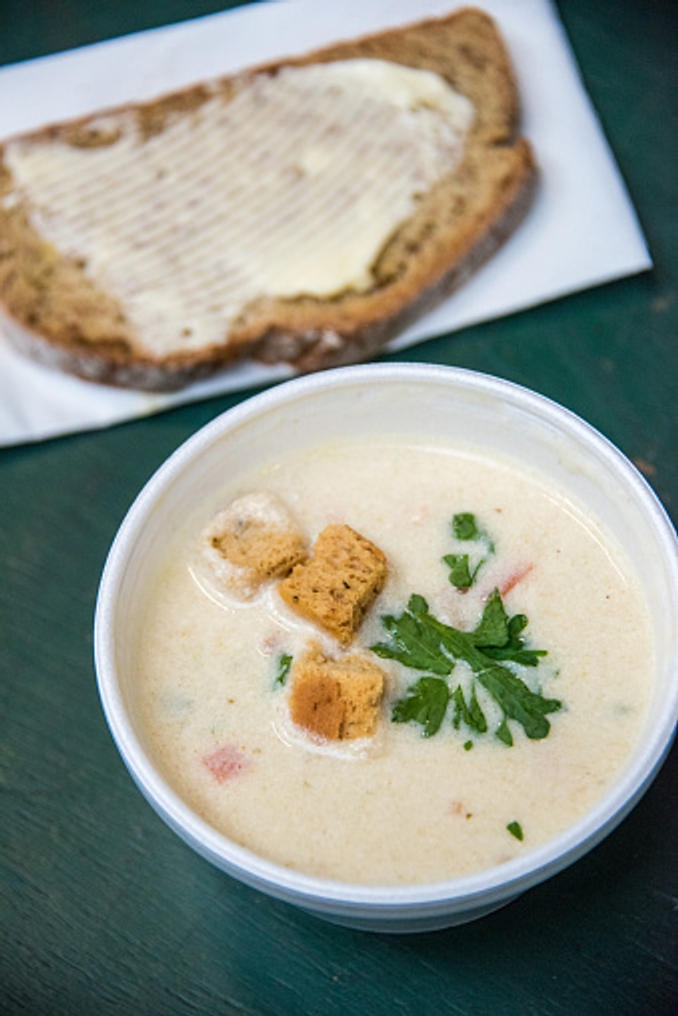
(302,212)
(286,157)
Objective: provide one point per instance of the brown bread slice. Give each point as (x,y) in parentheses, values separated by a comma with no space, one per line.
(59,313)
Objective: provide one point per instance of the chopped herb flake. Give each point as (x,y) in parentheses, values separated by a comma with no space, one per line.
(284,667)
(516,830)
(465,527)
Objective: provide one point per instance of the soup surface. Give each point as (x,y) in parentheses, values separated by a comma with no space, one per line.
(441,790)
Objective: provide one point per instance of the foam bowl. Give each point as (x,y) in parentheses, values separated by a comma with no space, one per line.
(399,398)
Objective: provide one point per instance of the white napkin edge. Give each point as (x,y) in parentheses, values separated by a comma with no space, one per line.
(39,403)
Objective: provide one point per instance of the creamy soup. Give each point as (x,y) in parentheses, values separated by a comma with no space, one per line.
(411,803)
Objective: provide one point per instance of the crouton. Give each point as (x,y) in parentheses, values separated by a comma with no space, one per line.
(252,541)
(336,699)
(338,584)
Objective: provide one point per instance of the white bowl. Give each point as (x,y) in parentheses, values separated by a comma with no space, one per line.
(439,401)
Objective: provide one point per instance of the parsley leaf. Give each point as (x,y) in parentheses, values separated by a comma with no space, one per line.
(516,700)
(499,635)
(421,641)
(470,712)
(426,703)
(461,575)
(503,732)
(515,829)
(413,642)
(493,627)
(284,667)
(466,529)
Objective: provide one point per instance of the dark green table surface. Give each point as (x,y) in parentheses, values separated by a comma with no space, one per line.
(103,909)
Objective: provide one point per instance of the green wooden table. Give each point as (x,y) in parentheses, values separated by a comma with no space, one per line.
(103,909)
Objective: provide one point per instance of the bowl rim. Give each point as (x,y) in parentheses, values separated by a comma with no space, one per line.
(537,863)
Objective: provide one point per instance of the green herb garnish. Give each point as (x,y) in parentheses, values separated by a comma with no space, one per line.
(419,640)
(499,635)
(504,734)
(470,712)
(516,830)
(284,667)
(414,643)
(465,527)
(462,571)
(462,576)
(425,703)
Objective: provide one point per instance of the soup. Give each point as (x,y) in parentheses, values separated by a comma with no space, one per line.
(473,758)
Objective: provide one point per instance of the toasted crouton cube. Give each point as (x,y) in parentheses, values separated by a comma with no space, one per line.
(338,699)
(338,584)
(252,541)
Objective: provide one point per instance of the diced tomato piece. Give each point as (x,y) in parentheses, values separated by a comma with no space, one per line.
(226,762)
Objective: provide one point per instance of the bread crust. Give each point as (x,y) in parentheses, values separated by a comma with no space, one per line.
(55,314)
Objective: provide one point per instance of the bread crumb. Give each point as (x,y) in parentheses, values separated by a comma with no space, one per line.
(251,542)
(338,584)
(338,699)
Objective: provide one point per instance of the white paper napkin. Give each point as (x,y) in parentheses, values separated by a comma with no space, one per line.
(582,230)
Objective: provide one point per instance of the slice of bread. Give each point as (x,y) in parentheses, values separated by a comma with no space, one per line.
(120,255)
